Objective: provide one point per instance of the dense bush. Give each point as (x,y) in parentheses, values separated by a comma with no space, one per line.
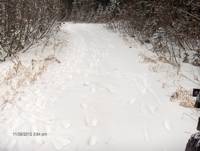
(23,22)
(171,26)
(96,11)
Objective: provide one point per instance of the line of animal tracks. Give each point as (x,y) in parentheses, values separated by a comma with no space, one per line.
(99,97)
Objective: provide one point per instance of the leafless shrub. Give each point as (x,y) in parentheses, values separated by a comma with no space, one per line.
(172,26)
(23,22)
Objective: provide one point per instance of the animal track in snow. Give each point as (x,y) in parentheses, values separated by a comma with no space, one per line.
(92,141)
(132,101)
(91,122)
(143,108)
(167,125)
(141,84)
(84,106)
(60,143)
(146,135)
(148,109)
(152,109)
(93,89)
(66,125)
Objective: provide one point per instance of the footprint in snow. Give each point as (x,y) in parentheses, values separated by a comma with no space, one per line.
(91,122)
(146,135)
(39,141)
(132,101)
(152,109)
(167,125)
(93,90)
(86,84)
(148,109)
(84,106)
(60,143)
(143,109)
(66,125)
(92,141)
(70,76)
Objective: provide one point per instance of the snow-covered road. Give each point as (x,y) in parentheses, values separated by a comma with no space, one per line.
(98,98)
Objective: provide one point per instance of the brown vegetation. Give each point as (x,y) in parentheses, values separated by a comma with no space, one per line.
(184,97)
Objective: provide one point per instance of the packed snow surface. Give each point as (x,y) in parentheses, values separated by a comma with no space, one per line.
(95,96)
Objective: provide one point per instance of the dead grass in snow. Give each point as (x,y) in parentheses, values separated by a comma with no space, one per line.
(184,97)
(181,95)
(20,75)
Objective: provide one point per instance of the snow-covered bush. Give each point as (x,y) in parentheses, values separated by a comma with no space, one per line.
(23,22)
(171,26)
(93,10)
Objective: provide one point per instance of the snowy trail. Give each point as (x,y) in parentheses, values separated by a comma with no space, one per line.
(98,98)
